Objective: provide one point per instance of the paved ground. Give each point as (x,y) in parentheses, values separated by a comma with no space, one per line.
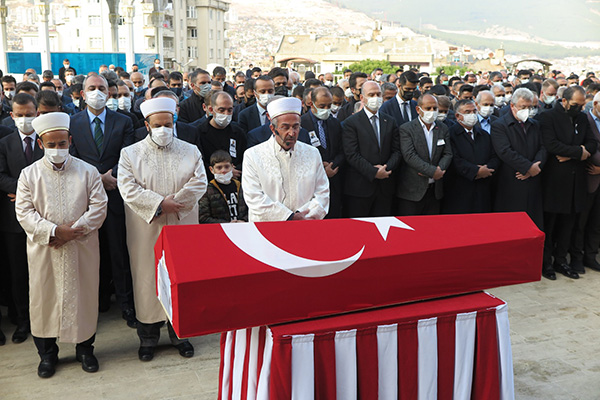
(555,335)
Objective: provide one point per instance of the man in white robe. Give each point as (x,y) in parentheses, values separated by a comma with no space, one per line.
(161,179)
(61,204)
(284,179)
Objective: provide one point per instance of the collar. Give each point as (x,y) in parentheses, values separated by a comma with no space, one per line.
(102,116)
(425,126)
(480,118)
(23,136)
(370,114)
(591,113)
(260,108)
(401,100)
(314,118)
(280,151)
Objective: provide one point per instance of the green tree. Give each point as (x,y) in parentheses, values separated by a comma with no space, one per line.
(367,66)
(451,69)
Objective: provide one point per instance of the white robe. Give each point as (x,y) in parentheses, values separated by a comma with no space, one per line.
(277,183)
(147,174)
(63,283)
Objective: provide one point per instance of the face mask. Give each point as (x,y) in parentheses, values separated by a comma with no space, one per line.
(59,93)
(322,113)
(177,91)
(508,97)
(335,108)
(441,117)
(204,89)
(445,83)
(377,78)
(407,95)
(469,120)
(549,99)
(222,119)
(329,83)
(574,110)
(523,115)
(9,93)
(524,81)
(162,136)
(486,111)
(186,85)
(95,99)
(263,99)
(125,103)
(373,103)
(533,112)
(66,66)
(157,66)
(499,101)
(139,88)
(56,156)
(69,79)
(429,117)
(24,124)
(250,101)
(174,118)
(224,179)
(112,104)
(348,93)
(76,102)
(290,91)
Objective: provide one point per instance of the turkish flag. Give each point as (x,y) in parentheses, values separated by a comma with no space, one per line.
(220,277)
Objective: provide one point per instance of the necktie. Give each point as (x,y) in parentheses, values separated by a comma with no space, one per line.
(322,137)
(471,135)
(98,135)
(374,123)
(28,150)
(523,127)
(406,111)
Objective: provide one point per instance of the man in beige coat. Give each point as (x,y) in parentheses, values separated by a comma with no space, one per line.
(61,204)
(161,179)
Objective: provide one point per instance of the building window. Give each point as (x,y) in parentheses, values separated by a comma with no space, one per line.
(192,52)
(122,43)
(218,35)
(192,32)
(212,54)
(95,20)
(219,53)
(210,34)
(191,12)
(210,14)
(218,15)
(339,66)
(96,43)
(77,32)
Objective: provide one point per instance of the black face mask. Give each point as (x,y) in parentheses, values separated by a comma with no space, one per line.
(250,101)
(281,91)
(408,95)
(574,110)
(177,91)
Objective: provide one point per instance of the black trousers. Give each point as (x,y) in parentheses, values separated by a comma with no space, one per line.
(149,334)
(47,348)
(428,205)
(377,205)
(586,235)
(559,230)
(16,255)
(114,260)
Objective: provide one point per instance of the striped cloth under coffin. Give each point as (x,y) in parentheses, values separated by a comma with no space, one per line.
(452,355)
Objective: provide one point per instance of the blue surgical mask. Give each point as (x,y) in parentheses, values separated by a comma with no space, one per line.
(174,118)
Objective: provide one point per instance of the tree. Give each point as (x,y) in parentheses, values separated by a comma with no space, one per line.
(367,66)
(450,70)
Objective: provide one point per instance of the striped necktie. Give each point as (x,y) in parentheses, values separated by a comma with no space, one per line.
(98,135)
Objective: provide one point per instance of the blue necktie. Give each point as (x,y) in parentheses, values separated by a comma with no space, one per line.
(322,137)
(98,135)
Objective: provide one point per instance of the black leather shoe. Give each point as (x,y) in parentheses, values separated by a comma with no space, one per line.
(185,349)
(566,270)
(89,362)
(129,316)
(21,334)
(591,263)
(577,266)
(146,353)
(548,273)
(2,338)
(47,367)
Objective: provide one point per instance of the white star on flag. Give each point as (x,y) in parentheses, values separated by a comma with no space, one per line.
(384,224)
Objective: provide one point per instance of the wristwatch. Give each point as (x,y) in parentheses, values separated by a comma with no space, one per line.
(158,211)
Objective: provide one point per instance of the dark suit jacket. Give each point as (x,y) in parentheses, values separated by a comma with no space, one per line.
(185,132)
(392,107)
(462,192)
(346,110)
(593,181)
(238,109)
(411,185)
(118,133)
(137,123)
(564,183)
(191,109)
(263,133)
(5,131)
(12,161)
(518,151)
(249,118)
(362,153)
(9,122)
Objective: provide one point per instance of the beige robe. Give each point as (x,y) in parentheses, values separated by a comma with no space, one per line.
(277,183)
(147,174)
(63,283)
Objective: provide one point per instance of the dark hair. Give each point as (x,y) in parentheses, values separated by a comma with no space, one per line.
(155,90)
(352,79)
(256,69)
(48,74)
(425,80)
(112,83)
(124,75)
(298,91)
(219,71)
(263,78)
(156,75)
(570,92)
(176,76)
(76,88)
(337,91)
(8,79)
(312,82)
(479,88)
(248,85)
(408,76)
(494,74)
(194,74)
(587,82)
(277,71)
(219,156)
(523,72)
(593,88)
(47,84)
(463,102)
(347,70)
(454,79)
(48,98)
(26,86)
(439,90)
(465,88)
(24,99)
(240,73)
(309,75)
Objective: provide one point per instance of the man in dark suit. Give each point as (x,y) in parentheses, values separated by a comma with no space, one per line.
(485,110)
(97,137)
(156,68)
(402,107)
(569,142)
(427,154)
(255,116)
(326,135)
(467,187)
(191,108)
(64,68)
(372,150)
(356,80)
(586,236)
(17,151)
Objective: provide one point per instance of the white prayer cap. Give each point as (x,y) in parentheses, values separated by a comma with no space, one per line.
(158,105)
(287,105)
(53,121)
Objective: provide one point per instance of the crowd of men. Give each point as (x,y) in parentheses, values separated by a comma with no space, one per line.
(373,144)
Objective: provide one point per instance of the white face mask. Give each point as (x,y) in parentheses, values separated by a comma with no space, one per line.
(373,103)
(377,78)
(9,93)
(96,99)
(23,124)
(68,79)
(125,103)
(348,93)
(222,119)
(441,117)
(76,102)
(533,112)
(522,115)
(56,156)
(204,89)
(112,104)
(263,99)
(59,93)
(322,113)
(499,101)
(549,99)
(329,83)
(162,136)
(429,117)
(486,111)
(469,120)
(335,108)
(508,97)
(224,179)
(524,81)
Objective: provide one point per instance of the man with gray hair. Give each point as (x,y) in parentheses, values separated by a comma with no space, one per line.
(485,109)
(389,90)
(567,137)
